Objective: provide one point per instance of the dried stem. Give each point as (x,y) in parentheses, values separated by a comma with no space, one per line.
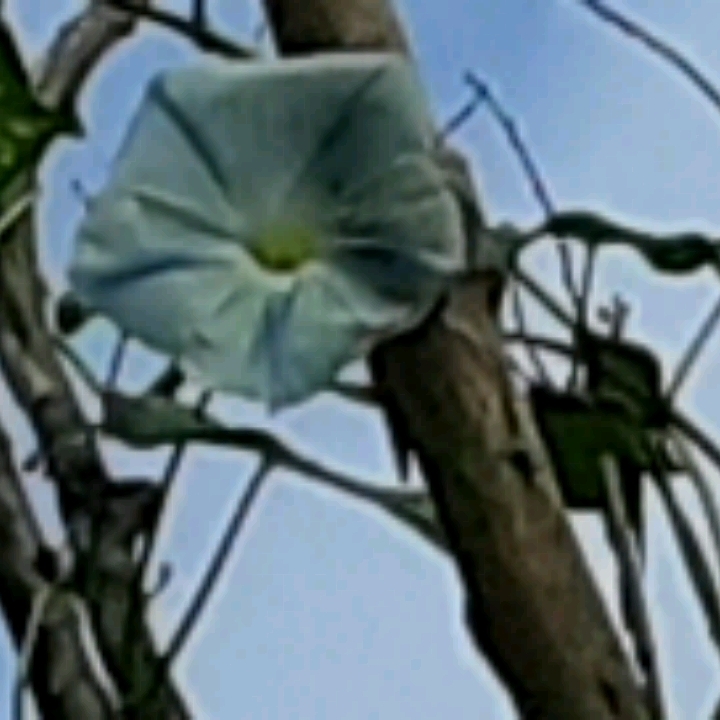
(58,647)
(195,29)
(532,350)
(206,586)
(693,351)
(637,617)
(91,503)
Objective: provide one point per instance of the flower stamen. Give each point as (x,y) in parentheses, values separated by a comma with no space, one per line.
(285,246)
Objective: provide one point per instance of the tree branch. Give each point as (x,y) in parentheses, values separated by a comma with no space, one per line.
(533,607)
(194,29)
(61,674)
(91,503)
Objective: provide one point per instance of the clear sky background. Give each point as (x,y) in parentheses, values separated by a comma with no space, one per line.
(327,609)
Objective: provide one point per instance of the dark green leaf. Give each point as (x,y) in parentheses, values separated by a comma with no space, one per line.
(577,434)
(168,382)
(625,376)
(26,127)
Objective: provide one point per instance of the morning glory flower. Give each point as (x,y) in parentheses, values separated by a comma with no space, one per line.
(267,222)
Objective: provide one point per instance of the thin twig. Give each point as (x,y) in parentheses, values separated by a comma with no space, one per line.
(693,351)
(637,619)
(207,584)
(203,38)
(456,121)
(116,361)
(16,210)
(703,490)
(167,480)
(697,436)
(543,297)
(661,48)
(218,561)
(566,271)
(508,125)
(532,350)
(79,364)
(37,612)
(586,287)
(284,455)
(539,188)
(361,394)
(698,569)
(198,19)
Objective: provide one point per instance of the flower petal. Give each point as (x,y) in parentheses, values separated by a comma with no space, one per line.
(263,123)
(151,270)
(316,333)
(406,209)
(163,151)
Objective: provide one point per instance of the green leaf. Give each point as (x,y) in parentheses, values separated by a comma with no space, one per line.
(625,376)
(672,254)
(577,434)
(26,127)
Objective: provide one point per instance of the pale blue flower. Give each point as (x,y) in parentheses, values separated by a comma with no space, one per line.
(268,221)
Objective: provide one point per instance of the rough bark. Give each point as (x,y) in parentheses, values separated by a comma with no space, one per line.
(533,607)
(61,675)
(94,506)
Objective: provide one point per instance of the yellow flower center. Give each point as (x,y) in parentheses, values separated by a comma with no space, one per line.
(284,246)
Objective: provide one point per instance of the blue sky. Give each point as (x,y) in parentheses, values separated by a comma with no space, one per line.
(327,609)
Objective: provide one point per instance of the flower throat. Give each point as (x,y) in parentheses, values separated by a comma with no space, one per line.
(285,246)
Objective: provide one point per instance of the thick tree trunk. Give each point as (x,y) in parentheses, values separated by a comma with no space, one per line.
(532,605)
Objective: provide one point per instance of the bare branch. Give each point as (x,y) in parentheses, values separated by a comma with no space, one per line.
(212,572)
(78,48)
(207,584)
(194,29)
(705,493)
(693,351)
(92,505)
(63,680)
(537,183)
(543,375)
(541,193)
(637,617)
(456,121)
